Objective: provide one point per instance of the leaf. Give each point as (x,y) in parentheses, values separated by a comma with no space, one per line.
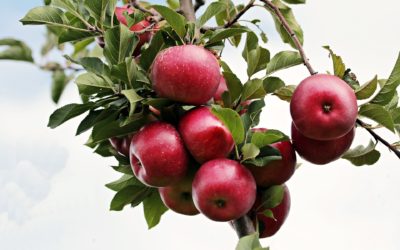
(125,181)
(285,93)
(379,114)
(68,112)
(175,20)
(90,83)
(148,55)
(396,115)
(89,121)
(367,89)
(16,50)
(250,151)
(173,4)
(267,155)
(133,98)
(60,80)
(98,8)
(268,213)
(339,67)
(212,10)
(249,242)
(225,33)
(363,155)
(262,139)
(388,90)
(232,121)
(253,89)
(272,84)
(234,85)
(120,43)
(125,169)
(257,60)
(44,15)
(153,208)
(129,195)
(295,1)
(283,60)
(272,197)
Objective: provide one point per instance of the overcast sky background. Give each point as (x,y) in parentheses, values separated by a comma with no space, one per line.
(52,193)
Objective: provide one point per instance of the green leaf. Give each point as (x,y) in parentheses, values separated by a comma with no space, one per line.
(367,89)
(89,121)
(232,121)
(339,67)
(16,50)
(250,151)
(285,93)
(396,115)
(148,55)
(67,112)
(249,242)
(234,85)
(379,114)
(284,60)
(253,89)
(267,155)
(133,98)
(175,20)
(388,90)
(91,64)
(272,197)
(120,43)
(44,15)
(212,10)
(257,60)
(272,84)
(153,208)
(291,20)
(173,4)
(295,1)
(268,213)
(125,169)
(129,195)
(125,181)
(90,83)
(262,139)
(60,80)
(222,34)
(98,8)
(363,155)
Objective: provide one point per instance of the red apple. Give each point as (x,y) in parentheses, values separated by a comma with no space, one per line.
(269,226)
(222,87)
(321,152)
(158,156)
(187,73)
(121,144)
(324,107)
(245,106)
(223,190)
(178,197)
(275,172)
(205,136)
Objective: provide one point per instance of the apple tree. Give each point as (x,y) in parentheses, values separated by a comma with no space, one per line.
(158,97)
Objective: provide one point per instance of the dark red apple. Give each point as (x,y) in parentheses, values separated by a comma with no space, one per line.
(324,107)
(121,144)
(158,156)
(321,152)
(205,136)
(187,73)
(269,226)
(223,190)
(178,197)
(222,87)
(275,172)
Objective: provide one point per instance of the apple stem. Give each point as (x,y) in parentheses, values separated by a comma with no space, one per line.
(243,226)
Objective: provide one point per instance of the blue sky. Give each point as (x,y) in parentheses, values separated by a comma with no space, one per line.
(52,192)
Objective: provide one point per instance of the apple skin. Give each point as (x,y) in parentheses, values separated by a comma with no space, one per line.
(222,87)
(324,107)
(321,152)
(223,190)
(187,73)
(121,144)
(275,172)
(178,197)
(268,226)
(157,155)
(205,136)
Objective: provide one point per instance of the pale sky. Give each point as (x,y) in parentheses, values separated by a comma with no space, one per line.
(52,193)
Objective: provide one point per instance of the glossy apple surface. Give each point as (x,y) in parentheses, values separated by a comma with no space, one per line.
(205,136)
(324,107)
(321,152)
(121,144)
(188,74)
(158,156)
(223,190)
(222,87)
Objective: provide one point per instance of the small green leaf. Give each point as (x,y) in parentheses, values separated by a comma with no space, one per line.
(285,93)
(253,89)
(267,155)
(173,4)
(60,80)
(129,195)
(234,85)
(133,98)
(148,55)
(153,208)
(67,112)
(250,151)
(262,139)
(268,213)
(212,10)
(44,15)
(232,121)
(98,8)
(272,197)
(249,242)
(295,1)
(367,89)
(339,67)
(283,60)
(125,181)
(120,43)
(90,83)
(175,20)
(361,155)
(125,169)
(379,114)
(225,33)
(272,84)
(17,50)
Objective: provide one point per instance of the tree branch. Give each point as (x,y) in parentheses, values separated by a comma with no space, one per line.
(243,226)
(188,10)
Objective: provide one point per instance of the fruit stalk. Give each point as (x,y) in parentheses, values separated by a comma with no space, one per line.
(243,226)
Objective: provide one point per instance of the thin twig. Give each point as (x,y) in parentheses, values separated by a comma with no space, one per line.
(136,5)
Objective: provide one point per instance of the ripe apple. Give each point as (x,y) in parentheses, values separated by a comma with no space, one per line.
(222,87)
(223,190)
(178,197)
(275,172)
(205,136)
(121,144)
(187,73)
(269,226)
(143,37)
(324,107)
(158,156)
(321,152)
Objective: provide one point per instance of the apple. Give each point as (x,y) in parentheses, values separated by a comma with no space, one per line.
(321,152)
(276,172)
(205,136)
(245,106)
(121,144)
(223,190)
(222,87)
(178,197)
(143,37)
(157,155)
(324,107)
(188,73)
(268,226)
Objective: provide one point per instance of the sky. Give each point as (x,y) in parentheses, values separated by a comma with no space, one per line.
(52,193)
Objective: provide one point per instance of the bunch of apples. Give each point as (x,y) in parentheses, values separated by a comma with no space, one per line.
(190,161)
